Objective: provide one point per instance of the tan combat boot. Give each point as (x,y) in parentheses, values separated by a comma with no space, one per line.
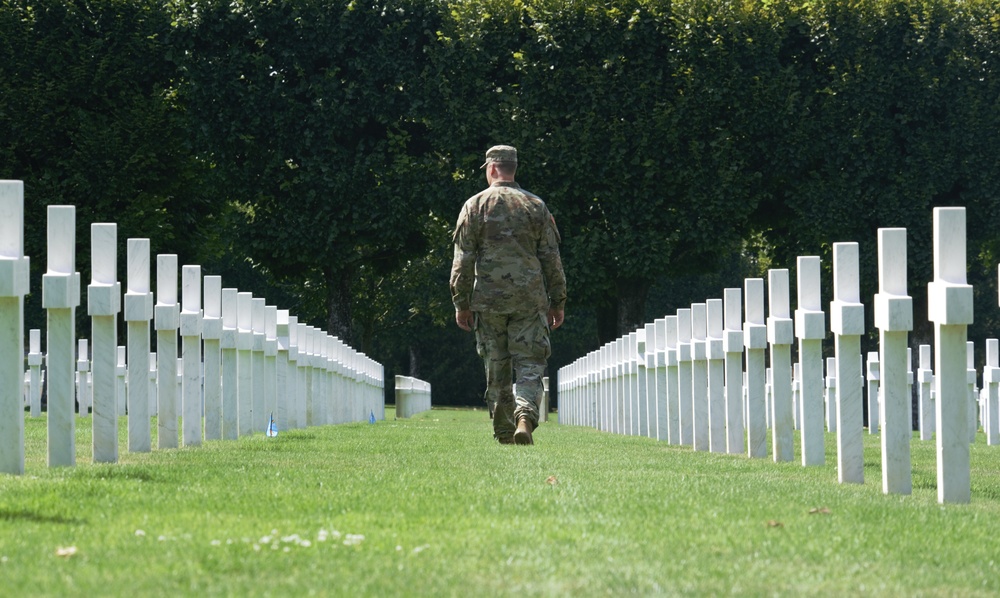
(523,433)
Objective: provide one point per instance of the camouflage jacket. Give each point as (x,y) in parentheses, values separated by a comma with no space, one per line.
(507,254)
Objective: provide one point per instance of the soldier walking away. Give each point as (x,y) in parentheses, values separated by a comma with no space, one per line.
(507,284)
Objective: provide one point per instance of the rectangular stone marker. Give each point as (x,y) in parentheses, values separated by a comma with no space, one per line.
(295,405)
(662,429)
(138,313)
(894,318)
(103,304)
(950,307)
(632,371)
(925,378)
(847,321)
(780,337)
(684,363)
(211,334)
(166,321)
(732,346)
(755,342)
(810,329)
(14,283)
(191,329)
(60,298)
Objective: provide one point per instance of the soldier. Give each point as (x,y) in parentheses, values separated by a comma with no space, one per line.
(507,284)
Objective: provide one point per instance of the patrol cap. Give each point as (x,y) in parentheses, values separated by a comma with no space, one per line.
(500,153)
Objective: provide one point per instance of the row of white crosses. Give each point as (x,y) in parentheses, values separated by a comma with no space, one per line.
(240,362)
(698,378)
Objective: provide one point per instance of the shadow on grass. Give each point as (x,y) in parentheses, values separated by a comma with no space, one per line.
(23,515)
(116,472)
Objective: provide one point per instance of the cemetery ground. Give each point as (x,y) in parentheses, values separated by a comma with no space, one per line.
(433,506)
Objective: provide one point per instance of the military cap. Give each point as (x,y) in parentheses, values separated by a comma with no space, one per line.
(500,153)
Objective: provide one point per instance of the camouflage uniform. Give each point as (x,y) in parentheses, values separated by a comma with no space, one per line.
(507,270)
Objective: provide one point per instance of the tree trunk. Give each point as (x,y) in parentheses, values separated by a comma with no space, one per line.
(338,303)
(632,295)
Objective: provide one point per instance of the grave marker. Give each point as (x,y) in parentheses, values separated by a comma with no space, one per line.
(755,342)
(780,337)
(14,285)
(950,307)
(894,318)
(60,298)
(166,323)
(847,321)
(191,329)
(732,346)
(810,329)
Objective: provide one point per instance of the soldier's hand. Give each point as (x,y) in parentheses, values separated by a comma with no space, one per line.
(556,318)
(464,319)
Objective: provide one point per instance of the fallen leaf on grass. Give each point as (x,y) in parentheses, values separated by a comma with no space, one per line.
(66,551)
(551,480)
(819,511)
(773,523)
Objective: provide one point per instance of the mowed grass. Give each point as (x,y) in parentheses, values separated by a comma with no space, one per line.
(432,506)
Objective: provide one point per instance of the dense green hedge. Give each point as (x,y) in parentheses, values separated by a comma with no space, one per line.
(667,137)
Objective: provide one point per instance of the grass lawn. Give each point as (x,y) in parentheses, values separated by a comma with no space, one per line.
(432,506)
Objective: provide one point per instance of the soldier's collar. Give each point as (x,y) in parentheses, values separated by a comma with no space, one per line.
(505,184)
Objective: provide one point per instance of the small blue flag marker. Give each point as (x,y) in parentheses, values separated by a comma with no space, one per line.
(272,428)
(371,418)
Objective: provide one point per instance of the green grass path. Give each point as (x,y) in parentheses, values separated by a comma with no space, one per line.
(432,506)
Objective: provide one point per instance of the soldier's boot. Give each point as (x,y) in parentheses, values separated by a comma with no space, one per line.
(506,440)
(523,433)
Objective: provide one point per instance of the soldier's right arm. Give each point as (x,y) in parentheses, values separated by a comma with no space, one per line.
(463,266)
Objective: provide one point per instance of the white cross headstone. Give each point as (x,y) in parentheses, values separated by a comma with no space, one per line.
(211,333)
(970,377)
(780,336)
(755,342)
(873,377)
(925,378)
(810,329)
(245,366)
(732,346)
(649,358)
(83,399)
(641,416)
(14,283)
(138,313)
(296,406)
(103,304)
(894,319)
(847,321)
(831,394)
(260,382)
(684,367)
(716,377)
(699,375)
(166,322)
(950,307)
(991,380)
(633,377)
(670,326)
(60,298)
(662,430)
(229,343)
(121,370)
(270,362)
(284,410)
(35,358)
(191,330)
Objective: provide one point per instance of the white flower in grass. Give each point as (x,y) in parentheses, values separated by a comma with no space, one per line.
(216,543)
(140,533)
(293,539)
(305,543)
(421,548)
(353,539)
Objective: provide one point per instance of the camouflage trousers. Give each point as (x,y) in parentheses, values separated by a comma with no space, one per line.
(514,348)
